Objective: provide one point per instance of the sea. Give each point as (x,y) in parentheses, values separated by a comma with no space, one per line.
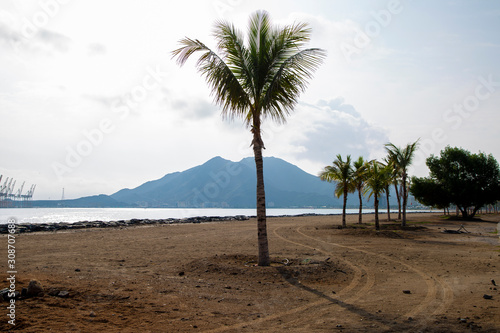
(72,215)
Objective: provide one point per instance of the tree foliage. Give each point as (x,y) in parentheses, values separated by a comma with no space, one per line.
(459,177)
(342,172)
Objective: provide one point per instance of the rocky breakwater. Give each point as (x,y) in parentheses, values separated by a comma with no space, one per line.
(37,227)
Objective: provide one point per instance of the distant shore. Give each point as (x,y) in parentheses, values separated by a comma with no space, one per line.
(59,226)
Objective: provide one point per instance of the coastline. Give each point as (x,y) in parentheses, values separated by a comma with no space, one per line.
(59,226)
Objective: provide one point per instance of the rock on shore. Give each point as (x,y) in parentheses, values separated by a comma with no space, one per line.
(36,227)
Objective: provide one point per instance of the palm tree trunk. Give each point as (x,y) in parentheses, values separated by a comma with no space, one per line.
(343,209)
(405,200)
(398,196)
(360,217)
(377,225)
(388,205)
(261,198)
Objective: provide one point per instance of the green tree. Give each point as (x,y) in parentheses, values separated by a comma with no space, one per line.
(379,176)
(255,78)
(470,181)
(359,178)
(342,173)
(429,192)
(402,159)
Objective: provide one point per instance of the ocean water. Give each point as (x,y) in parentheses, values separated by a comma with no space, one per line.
(71,215)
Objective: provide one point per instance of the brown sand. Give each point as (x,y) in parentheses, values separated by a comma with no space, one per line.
(202,277)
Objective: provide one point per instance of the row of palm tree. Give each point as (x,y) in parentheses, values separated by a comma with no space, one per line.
(373,178)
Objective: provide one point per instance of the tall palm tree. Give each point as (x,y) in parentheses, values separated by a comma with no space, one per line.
(359,179)
(402,159)
(395,181)
(255,78)
(376,183)
(393,177)
(341,172)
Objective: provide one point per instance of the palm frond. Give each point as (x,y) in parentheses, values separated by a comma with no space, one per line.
(289,81)
(401,157)
(225,87)
(378,180)
(342,173)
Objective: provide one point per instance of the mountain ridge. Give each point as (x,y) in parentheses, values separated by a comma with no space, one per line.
(221,183)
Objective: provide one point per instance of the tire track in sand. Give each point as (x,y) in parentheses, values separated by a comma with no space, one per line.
(359,273)
(359,270)
(432,283)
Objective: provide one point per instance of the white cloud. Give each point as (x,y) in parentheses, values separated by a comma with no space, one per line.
(315,134)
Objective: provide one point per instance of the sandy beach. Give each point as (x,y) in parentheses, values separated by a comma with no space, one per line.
(203,277)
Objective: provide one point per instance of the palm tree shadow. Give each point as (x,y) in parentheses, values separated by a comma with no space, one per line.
(350,307)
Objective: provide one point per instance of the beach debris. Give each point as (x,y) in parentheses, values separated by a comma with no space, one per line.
(485,296)
(406,291)
(460,230)
(63,294)
(494,283)
(4,294)
(34,289)
(92,314)
(7,294)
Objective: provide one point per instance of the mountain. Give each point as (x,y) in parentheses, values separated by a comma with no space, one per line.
(223,183)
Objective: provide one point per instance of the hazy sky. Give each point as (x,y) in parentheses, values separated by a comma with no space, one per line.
(91,101)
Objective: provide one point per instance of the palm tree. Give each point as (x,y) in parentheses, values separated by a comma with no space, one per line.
(402,159)
(395,181)
(256,80)
(341,172)
(359,179)
(376,183)
(393,178)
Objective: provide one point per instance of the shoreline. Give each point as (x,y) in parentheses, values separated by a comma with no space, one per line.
(58,226)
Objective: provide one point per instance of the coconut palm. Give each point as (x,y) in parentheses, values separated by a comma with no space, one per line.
(395,181)
(393,178)
(379,176)
(402,159)
(342,173)
(255,78)
(359,179)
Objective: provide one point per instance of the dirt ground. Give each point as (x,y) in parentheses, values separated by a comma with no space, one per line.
(203,277)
